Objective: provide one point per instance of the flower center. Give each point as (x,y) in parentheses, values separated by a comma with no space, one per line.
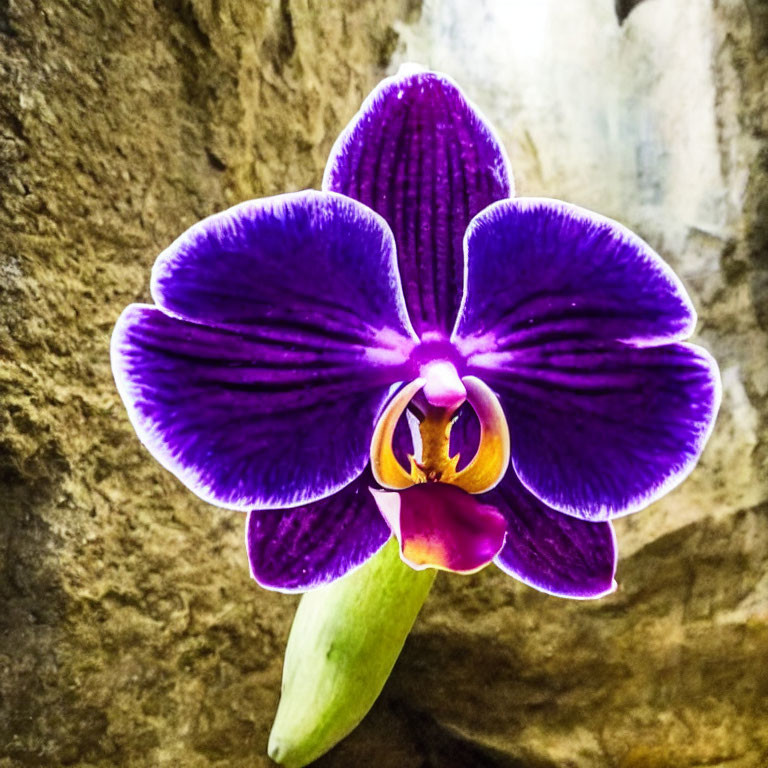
(439,404)
(442,386)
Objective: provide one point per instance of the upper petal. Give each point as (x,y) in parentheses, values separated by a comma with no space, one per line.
(540,270)
(281,332)
(420,154)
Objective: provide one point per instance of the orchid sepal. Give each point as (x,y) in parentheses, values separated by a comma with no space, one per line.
(344,642)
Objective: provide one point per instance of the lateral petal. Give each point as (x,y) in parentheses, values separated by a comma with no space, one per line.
(542,270)
(280,331)
(599,431)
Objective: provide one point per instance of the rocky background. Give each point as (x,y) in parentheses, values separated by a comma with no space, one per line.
(130,633)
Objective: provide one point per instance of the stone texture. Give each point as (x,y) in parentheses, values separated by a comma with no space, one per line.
(130,633)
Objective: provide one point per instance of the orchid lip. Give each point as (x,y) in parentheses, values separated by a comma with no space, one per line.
(440,526)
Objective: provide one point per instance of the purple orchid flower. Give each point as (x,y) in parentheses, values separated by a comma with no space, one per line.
(413,351)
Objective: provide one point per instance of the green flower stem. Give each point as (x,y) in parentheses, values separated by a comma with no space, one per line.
(343,644)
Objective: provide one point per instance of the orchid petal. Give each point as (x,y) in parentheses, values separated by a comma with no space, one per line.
(420,154)
(278,319)
(601,431)
(541,270)
(563,317)
(550,551)
(441,526)
(296,549)
(304,264)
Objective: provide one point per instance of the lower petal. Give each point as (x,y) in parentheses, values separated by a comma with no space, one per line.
(600,431)
(296,549)
(441,526)
(550,551)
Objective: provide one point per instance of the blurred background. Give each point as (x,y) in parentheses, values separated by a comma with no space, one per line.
(130,632)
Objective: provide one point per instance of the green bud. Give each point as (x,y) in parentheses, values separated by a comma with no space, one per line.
(343,644)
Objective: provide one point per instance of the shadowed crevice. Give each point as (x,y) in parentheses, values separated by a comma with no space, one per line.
(624,8)
(6,28)
(443,747)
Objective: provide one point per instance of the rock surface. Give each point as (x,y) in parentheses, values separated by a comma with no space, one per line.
(130,633)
